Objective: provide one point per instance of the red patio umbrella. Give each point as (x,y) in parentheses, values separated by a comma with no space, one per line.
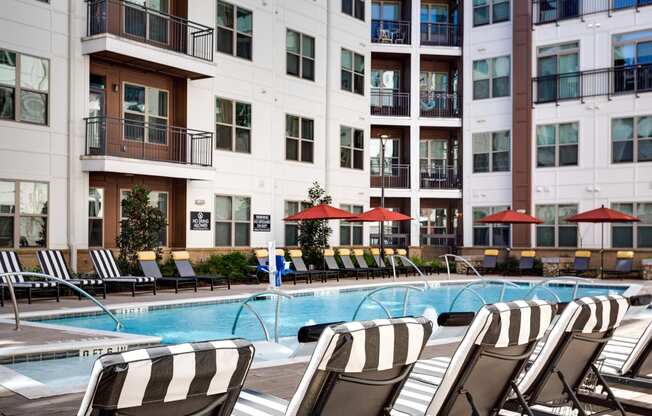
(320,212)
(602,215)
(380,215)
(510,217)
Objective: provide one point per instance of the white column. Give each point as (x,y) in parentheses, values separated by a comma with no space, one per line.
(415,133)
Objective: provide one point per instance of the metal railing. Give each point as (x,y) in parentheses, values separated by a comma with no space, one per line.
(463,260)
(609,82)
(406,261)
(245,304)
(392,240)
(390,103)
(138,22)
(370,296)
(440,178)
(390,31)
(440,105)
(484,282)
(441,34)
(118,137)
(543,284)
(396,176)
(439,240)
(551,11)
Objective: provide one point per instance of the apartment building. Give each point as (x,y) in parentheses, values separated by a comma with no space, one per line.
(558,120)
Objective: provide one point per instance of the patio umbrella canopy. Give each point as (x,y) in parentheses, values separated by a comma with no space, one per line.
(320,212)
(380,215)
(510,217)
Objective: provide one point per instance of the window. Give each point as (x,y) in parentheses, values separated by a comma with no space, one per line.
(145,106)
(300,55)
(23,214)
(632,55)
(351,232)
(351,148)
(95,217)
(489,234)
(557,68)
(24,87)
(490,11)
(234,30)
(433,225)
(352,72)
(633,235)
(299,138)
(157,199)
(142,19)
(555,231)
(292,227)
(354,8)
(232,221)
(491,152)
(491,78)
(433,155)
(232,125)
(557,145)
(392,156)
(631,139)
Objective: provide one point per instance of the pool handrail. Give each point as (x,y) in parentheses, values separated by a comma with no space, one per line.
(279,294)
(380,289)
(543,283)
(464,260)
(118,323)
(404,258)
(483,282)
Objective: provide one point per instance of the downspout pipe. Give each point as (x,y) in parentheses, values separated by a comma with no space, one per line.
(70,147)
(327,99)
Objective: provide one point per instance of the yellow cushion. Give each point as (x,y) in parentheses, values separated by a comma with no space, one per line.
(401,252)
(296,253)
(491,252)
(344,252)
(279,252)
(358,252)
(625,255)
(389,251)
(329,252)
(375,251)
(528,253)
(582,253)
(181,255)
(261,253)
(146,255)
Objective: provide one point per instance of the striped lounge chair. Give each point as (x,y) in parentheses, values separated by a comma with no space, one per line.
(357,368)
(628,361)
(202,378)
(53,263)
(9,263)
(107,270)
(184,267)
(149,267)
(476,380)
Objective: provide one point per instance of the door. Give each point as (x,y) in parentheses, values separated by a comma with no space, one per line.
(96,125)
(434,24)
(147,19)
(558,68)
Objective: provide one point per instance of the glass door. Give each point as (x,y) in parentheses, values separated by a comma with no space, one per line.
(558,68)
(385,17)
(147,19)
(434,19)
(96,127)
(632,61)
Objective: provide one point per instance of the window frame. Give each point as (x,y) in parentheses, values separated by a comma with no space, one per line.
(98,218)
(18,88)
(300,139)
(353,72)
(17,215)
(557,225)
(352,225)
(491,62)
(557,145)
(232,222)
(489,5)
(390,161)
(234,31)
(300,206)
(492,151)
(634,226)
(635,139)
(146,123)
(354,9)
(352,147)
(301,55)
(491,228)
(234,127)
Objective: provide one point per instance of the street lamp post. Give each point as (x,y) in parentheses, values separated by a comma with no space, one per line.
(383,138)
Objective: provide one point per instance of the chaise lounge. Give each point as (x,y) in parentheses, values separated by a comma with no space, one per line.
(107,270)
(9,263)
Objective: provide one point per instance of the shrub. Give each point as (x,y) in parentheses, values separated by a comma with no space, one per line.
(235,265)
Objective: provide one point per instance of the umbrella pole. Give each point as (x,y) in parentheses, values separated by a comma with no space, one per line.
(602,253)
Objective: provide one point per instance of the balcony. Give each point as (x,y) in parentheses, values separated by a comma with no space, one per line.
(441,34)
(440,105)
(122,145)
(397,176)
(388,103)
(125,31)
(551,11)
(440,178)
(396,32)
(604,82)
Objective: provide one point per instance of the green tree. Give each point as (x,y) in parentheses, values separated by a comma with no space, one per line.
(141,228)
(313,235)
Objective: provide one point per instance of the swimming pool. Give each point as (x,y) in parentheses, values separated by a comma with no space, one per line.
(196,322)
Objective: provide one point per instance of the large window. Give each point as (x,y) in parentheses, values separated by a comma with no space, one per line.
(351,232)
(95,217)
(300,55)
(489,234)
(491,152)
(490,11)
(234,30)
(557,145)
(557,68)
(232,221)
(555,230)
(23,214)
(232,125)
(143,105)
(491,77)
(433,155)
(299,138)
(292,227)
(632,57)
(392,156)
(140,19)
(351,148)
(157,199)
(24,87)
(352,72)
(631,139)
(354,8)
(433,225)
(633,235)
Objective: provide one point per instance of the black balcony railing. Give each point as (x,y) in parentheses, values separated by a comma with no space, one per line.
(137,22)
(632,79)
(549,11)
(396,175)
(440,178)
(390,103)
(440,105)
(148,141)
(390,31)
(441,34)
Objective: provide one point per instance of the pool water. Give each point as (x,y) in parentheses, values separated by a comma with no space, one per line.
(214,321)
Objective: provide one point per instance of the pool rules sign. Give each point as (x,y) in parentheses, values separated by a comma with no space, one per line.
(200,221)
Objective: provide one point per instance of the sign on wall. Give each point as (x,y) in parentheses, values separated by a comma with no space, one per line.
(200,221)
(262,223)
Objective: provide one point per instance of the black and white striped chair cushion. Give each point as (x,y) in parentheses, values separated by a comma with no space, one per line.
(53,263)
(132,279)
(621,353)
(9,263)
(104,263)
(31,284)
(166,374)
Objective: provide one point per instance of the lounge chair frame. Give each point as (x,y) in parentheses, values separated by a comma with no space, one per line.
(10,262)
(107,270)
